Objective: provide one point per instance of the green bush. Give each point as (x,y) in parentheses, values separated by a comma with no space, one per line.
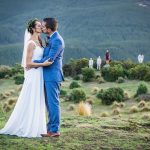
(147,76)
(19,79)
(142,89)
(112,73)
(77,77)
(77,95)
(140,72)
(120,80)
(5,71)
(110,95)
(88,74)
(100,80)
(74,67)
(74,84)
(63,93)
(128,64)
(17,69)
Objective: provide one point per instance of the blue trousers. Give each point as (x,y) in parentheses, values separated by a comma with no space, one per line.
(52,91)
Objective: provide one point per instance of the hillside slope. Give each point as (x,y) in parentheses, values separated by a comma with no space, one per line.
(88,27)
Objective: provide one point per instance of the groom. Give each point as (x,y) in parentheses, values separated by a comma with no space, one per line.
(53,75)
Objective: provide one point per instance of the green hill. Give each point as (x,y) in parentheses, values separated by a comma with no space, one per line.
(88,27)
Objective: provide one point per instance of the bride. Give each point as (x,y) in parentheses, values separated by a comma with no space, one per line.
(28,118)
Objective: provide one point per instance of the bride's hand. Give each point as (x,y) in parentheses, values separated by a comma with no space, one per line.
(47,63)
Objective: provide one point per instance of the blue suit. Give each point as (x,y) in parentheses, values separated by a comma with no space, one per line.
(53,76)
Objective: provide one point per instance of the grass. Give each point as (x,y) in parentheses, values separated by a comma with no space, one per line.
(122,132)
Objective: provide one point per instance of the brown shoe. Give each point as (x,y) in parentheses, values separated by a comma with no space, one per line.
(54,134)
(46,135)
(50,134)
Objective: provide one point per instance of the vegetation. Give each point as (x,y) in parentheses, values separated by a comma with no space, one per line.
(110,95)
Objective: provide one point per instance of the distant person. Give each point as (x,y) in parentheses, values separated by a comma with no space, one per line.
(99,61)
(107,57)
(140,58)
(91,63)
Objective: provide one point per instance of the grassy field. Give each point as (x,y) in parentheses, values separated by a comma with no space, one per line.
(125,131)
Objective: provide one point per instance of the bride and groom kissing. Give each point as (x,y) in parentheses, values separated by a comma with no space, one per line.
(41,88)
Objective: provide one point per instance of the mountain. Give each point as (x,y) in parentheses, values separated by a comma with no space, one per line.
(89,27)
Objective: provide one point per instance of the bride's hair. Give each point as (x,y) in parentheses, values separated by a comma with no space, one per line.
(31,25)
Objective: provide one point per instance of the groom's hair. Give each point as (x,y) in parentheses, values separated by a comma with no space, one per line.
(51,23)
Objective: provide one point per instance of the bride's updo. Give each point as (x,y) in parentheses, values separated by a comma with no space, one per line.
(31,25)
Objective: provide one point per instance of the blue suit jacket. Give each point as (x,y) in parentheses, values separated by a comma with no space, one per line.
(53,51)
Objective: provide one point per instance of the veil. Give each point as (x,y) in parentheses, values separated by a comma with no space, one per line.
(27,36)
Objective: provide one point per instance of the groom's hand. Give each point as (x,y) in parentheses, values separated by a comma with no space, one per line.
(50,60)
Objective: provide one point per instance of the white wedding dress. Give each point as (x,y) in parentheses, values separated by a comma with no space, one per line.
(28,118)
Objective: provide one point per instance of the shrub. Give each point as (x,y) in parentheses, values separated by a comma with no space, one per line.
(19,79)
(142,104)
(112,73)
(74,67)
(5,71)
(140,72)
(71,107)
(95,90)
(146,117)
(84,109)
(90,101)
(116,111)
(147,76)
(100,80)
(77,77)
(121,105)
(142,89)
(118,105)
(67,70)
(74,84)
(145,108)
(17,69)
(134,109)
(77,95)
(63,93)
(120,80)
(88,74)
(104,114)
(128,64)
(110,95)
(81,63)
(115,104)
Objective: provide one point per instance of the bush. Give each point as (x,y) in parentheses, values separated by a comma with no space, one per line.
(77,77)
(140,72)
(134,109)
(74,84)
(17,69)
(147,76)
(142,89)
(100,80)
(88,74)
(120,80)
(19,79)
(63,93)
(110,95)
(5,71)
(74,67)
(77,95)
(112,73)
(67,70)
